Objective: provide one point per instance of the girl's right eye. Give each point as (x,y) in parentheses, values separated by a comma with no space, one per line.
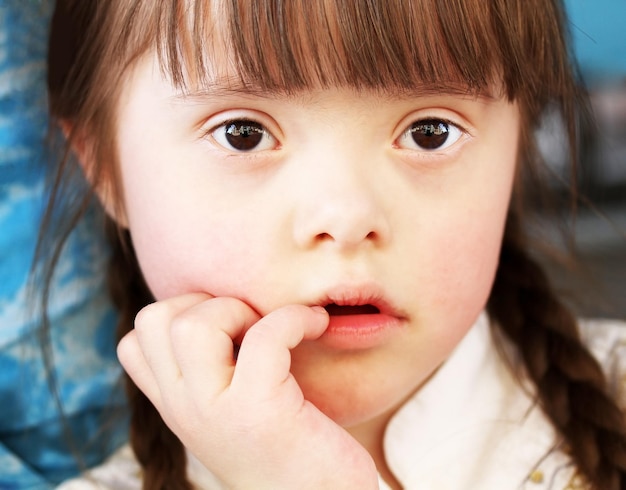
(243,135)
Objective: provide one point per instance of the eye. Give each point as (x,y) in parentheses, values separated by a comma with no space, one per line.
(243,135)
(430,135)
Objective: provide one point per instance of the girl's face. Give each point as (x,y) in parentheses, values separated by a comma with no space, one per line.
(391,206)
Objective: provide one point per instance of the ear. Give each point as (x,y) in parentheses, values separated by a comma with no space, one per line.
(102,182)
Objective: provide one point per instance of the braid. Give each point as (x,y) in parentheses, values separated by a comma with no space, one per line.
(571,386)
(159,452)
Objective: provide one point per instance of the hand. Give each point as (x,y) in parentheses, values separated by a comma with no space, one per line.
(246,419)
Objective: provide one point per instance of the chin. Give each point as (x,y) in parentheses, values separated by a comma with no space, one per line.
(345,394)
(350,407)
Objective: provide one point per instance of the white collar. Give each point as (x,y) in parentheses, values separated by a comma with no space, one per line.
(472,426)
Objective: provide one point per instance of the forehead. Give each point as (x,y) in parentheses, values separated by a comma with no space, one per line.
(287,47)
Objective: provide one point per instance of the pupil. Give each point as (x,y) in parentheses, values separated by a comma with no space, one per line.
(430,135)
(244,135)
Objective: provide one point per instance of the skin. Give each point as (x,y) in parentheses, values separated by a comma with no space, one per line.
(239,247)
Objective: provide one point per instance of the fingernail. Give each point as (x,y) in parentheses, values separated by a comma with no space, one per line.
(319,309)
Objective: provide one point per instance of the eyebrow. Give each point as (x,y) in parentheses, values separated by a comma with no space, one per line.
(239,89)
(228,87)
(217,91)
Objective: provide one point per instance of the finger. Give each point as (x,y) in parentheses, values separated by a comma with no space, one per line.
(264,359)
(152,327)
(134,363)
(202,342)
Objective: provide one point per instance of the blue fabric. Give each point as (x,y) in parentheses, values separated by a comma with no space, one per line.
(34,448)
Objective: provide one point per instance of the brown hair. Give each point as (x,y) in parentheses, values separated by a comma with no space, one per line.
(286,46)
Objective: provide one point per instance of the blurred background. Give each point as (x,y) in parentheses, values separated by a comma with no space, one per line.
(600,43)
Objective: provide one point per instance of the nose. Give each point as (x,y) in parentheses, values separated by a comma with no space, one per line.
(341,205)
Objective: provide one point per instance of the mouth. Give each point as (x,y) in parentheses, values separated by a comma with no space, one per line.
(360,318)
(359,300)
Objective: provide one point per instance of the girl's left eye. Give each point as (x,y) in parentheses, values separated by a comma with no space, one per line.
(430,135)
(243,135)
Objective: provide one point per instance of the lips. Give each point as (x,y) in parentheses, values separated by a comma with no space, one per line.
(360,318)
(364,298)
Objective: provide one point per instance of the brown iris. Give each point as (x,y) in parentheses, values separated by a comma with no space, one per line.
(244,135)
(430,134)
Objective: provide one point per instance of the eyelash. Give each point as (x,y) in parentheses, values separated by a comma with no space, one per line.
(435,134)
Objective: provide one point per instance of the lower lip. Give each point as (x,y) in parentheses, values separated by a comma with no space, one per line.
(358,332)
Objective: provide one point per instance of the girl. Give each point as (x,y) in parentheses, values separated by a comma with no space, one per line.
(318,200)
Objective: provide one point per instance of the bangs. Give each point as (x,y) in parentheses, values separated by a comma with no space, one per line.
(395,45)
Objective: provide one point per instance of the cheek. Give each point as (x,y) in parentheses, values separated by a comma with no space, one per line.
(476,239)
(179,256)
(464,253)
(458,282)
(471,275)
(188,236)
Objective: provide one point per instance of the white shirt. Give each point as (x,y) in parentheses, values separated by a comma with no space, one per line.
(472,426)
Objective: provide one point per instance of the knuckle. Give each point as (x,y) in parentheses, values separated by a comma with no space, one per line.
(126,347)
(291,313)
(125,344)
(149,315)
(261,333)
(166,310)
(184,325)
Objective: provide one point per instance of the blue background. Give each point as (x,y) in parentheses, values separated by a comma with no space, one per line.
(599,32)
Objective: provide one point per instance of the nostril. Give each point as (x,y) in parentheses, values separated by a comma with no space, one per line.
(322,237)
(346,239)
